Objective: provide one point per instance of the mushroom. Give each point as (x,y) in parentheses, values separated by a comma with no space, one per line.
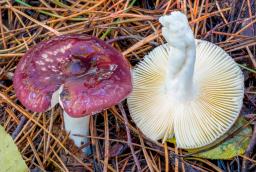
(82,73)
(187,88)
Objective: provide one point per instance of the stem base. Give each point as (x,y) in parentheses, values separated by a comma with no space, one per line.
(78,129)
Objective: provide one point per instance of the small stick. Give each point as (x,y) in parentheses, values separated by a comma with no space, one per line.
(150,164)
(166,156)
(142,42)
(129,140)
(23,121)
(252,57)
(122,38)
(176,159)
(106,151)
(249,150)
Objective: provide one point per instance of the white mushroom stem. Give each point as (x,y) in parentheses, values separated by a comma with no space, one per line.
(180,39)
(78,129)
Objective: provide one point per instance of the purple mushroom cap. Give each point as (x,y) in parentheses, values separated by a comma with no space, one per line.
(93,74)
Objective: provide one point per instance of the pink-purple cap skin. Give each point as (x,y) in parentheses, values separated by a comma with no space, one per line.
(94,75)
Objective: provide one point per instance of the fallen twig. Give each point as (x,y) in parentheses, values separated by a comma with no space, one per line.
(23,121)
(129,140)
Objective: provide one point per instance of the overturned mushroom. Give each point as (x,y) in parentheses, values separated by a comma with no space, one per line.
(187,88)
(82,73)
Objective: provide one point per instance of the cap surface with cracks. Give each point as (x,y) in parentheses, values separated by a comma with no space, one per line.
(187,88)
(92,74)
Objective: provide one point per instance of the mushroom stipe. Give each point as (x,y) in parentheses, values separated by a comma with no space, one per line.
(188,89)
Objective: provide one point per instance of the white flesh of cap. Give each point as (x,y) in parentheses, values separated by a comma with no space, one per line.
(56,97)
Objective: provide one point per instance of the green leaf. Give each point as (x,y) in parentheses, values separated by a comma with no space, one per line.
(232,144)
(10,157)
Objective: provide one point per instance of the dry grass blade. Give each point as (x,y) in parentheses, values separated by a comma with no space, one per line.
(150,165)
(166,156)
(106,151)
(129,141)
(35,21)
